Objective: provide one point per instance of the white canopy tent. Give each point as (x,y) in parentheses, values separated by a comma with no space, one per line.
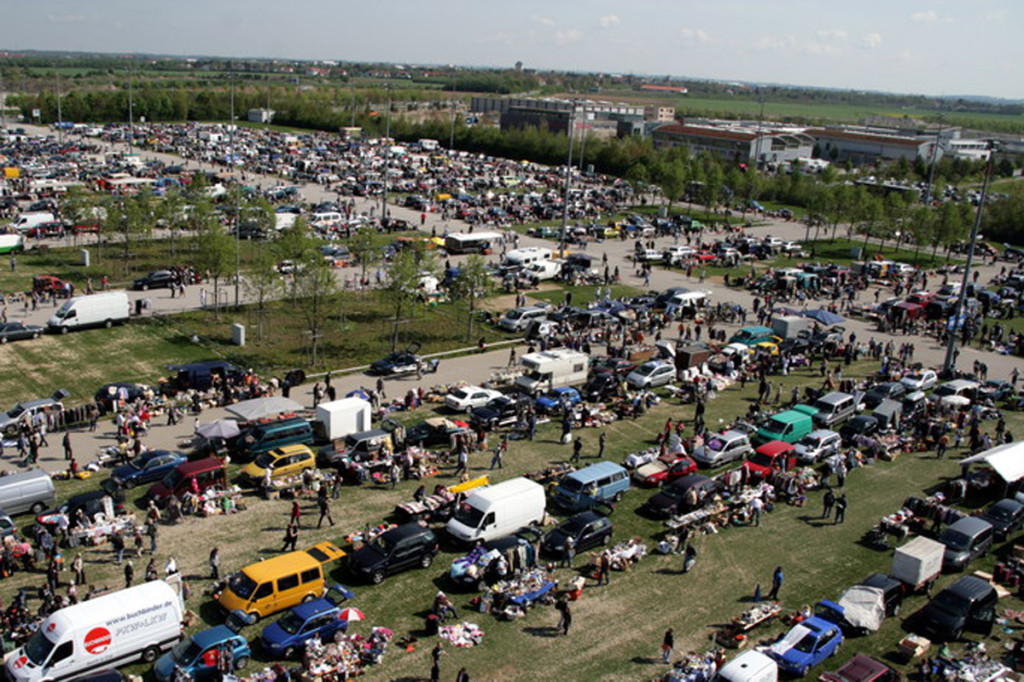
(248,410)
(1007,460)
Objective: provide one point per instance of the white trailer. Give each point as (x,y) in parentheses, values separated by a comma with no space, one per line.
(550,369)
(918,563)
(339,418)
(134,624)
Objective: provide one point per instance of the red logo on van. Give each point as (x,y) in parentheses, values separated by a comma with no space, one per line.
(97,640)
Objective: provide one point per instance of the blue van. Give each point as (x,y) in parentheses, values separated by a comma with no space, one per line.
(751,336)
(598,483)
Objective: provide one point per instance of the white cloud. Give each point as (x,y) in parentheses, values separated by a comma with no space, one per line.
(822,49)
(696,35)
(872,40)
(609,20)
(776,43)
(568,37)
(836,34)
(543,21)
(929,17)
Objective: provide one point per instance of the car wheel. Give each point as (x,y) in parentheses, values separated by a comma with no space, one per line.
(377,577)
(35,335)
(38,508)
(426,560)
(618,496)
(308,598)
(150,653)
(896,610)
(289,652)
(108,323)
(64,330)
(254,616)
(145,287)
(3,339)
(606,539)
(241,662)
(956,635)
(129,484)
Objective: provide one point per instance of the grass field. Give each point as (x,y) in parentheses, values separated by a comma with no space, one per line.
(617,628)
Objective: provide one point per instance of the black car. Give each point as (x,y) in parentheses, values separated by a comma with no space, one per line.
(587,529)
(400,362)
(893,591)
(108,393)
(613,366)
(432,432)
(861,425)
(16,331)
(968,604)
(159,279)
(502,411)
(396,550)
(601,387)
(1005,516)
(682,495)
(890,390)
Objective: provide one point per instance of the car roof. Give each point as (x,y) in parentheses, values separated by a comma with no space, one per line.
(405,531)
(861,668)
(821,433)
(215,635)
(970,586)
(312,608)
(774,447)
(689,481)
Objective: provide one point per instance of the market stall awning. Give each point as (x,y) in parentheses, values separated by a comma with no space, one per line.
(248,410)
(1007,460)
(824,317)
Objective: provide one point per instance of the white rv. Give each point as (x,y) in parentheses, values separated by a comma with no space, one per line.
(553,368)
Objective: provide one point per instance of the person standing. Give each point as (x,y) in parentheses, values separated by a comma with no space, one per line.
(570,552)
(566,615)
(129,573)
(325,510)
(756,507)
(67,445)
(78,567)
(840,509)
(602,439)
(463,676)
(604,569)
(577,448)
(214,564)
(435,662)
(777,579)
(668,642)
(296,514)
(291,536)
(829,501)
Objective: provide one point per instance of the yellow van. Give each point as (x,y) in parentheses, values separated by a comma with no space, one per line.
(279,583)
(289,460)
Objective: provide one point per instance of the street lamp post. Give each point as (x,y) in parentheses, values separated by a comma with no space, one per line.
(387,154)
(568,177)
(238,204)
(950,364)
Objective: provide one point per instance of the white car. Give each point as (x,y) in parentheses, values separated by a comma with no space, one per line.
(920,381)
(468,397)
(652,373)
(818,445)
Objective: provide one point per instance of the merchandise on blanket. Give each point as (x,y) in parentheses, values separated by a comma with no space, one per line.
(638,459)
(933,508)
(974,665)
(98,532)
(627,553)
(462,634)
(370,533)
(695,668)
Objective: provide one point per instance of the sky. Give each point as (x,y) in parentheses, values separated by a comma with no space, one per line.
(905,46)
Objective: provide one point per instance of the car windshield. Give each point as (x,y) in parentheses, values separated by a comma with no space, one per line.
(951,602)
(381,544)
(810,441)
(185,652)
(38,648)
(1000,514)
(15,411)
(290,623)
(644,370)
(241,585)
(172,479)
(761,459)
(806,644)
(469,516)
(263,460)
(461,394)
(716,444)
(955,540)
(774,425)
(945,389)
(139,463)
(571,484)
(673,492)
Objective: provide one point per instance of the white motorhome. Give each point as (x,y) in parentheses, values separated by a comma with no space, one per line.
(550,369)
(526,256)
(339,418)
(95,310)
(122,627)
(472,242)
(498,510)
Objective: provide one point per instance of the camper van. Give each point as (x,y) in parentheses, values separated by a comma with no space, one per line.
(94,310)
(134,624)
(521,258)
(553,368)
(498,510)
(472,242)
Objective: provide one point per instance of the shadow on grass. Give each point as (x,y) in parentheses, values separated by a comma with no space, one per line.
(645,660)
(549,631)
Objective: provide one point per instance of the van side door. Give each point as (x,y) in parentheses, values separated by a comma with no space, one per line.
(61,659)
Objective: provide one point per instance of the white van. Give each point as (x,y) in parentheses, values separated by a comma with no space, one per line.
(27,491)
(26,221)
(498,510)
(540,271)
(750,666)
(94,310)
(122,627)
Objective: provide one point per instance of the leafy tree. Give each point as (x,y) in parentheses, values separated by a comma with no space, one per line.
(262,283)
(215,256)
(474,282)
(315,287)
(403,279)
(366,247)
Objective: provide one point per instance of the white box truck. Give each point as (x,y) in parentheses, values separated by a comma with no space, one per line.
(750,666)
(790,326)
(918,563)
(134,624)
(498,510)
(550,369)
(94,310)
(339,418)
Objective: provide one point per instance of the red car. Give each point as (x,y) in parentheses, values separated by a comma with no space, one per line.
(664,470)
(46,284)
(704,256)
(773,455)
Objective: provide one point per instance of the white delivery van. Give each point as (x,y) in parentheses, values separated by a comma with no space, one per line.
(750,666)
(498,510)
(542,270)
(553,368)
(26,221)
(122,627)
(94,310)
(11,243)
(339,418)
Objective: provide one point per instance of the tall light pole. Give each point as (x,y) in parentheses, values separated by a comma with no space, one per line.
(131,116)
(238,203)
(387,155)
(451,133)
(3,102)
(950,364)
(929,190)
(568,177)
(60,115)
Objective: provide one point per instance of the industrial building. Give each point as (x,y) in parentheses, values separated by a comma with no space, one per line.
(738,142)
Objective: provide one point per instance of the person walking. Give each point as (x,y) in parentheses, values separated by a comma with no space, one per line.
(152,531)
(291,536)
(296,514)
(668,642)
(67,445)
(117,543)
(129,573)
(325,510)
(214,564)
(777,579)
(604,569)
(601,440)
(829,502)
(497,460)
(577,448)
(435,662)
(566,615)
(840,509)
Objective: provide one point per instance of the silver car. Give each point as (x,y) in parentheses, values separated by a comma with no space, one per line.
(722,448)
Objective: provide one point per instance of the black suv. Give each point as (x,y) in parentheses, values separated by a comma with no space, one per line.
(587,529)
(398,549)
(502,411)
(159,279)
